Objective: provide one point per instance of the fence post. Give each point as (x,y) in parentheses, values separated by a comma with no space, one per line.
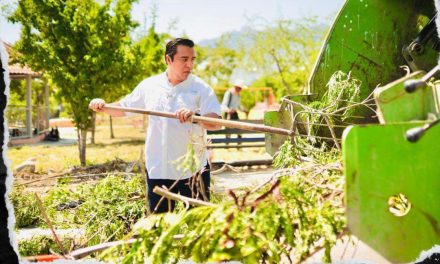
(29,105)
(46,106)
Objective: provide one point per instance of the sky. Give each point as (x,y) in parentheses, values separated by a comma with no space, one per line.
(207,19)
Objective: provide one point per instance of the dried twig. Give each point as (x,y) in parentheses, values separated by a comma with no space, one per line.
(83,252)
(224,168)
(49,223)
(264,195)
(63,175)
(332,131)
(177,197)
(318,248)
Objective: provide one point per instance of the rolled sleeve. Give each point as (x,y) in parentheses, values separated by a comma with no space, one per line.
(135,99)
(209,103)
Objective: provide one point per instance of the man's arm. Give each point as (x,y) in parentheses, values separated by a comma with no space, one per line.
(211,126)
(98,104)
(184,115)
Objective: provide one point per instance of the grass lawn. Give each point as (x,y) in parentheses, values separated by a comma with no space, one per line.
(127,145)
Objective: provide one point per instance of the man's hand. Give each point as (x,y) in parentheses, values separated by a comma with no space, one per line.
(97,104)
(211,126)
(184,114)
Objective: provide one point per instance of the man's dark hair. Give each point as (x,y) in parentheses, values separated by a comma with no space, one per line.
(171,48)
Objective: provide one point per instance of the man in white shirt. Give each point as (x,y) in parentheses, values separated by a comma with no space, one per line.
(167,140)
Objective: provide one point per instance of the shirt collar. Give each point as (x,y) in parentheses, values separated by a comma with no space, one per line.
(179,86)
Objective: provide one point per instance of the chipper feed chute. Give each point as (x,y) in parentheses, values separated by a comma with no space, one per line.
(371,39)
(391,170)
(392,175)
(392,189)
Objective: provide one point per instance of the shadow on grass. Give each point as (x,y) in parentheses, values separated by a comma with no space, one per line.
(129,142)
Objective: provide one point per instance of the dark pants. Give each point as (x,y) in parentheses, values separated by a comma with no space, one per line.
(233,116)
(188,187)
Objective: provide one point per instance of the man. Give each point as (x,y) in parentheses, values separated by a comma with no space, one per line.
(178,91)
(231,100)
(231,103)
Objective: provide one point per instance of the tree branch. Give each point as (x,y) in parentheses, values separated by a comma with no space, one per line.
(177,197)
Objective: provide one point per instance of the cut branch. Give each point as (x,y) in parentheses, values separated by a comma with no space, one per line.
(177,197)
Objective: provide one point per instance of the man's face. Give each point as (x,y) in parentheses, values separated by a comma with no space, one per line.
(238,89)
(182,64)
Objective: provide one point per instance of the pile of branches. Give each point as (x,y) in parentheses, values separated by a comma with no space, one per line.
(285,220)
(77,174)
(102,211)
(116,165)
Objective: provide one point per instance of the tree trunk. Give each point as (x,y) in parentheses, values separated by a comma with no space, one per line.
(82,139)
(112,135)
(92,140)
(280,70)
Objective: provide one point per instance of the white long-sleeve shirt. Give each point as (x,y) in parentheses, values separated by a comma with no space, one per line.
(167,139)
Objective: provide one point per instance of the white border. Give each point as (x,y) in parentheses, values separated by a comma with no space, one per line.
(9,177)
(424,255)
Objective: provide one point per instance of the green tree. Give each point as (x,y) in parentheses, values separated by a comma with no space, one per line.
(148,54)
(17,102)
(82,46)
(216,63)
(282,52)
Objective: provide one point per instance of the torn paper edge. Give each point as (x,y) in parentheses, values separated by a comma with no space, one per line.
(9,176)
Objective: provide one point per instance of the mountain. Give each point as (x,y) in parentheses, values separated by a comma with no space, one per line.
(233,37)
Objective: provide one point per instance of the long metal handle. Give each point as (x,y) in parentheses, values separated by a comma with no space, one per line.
(208,120)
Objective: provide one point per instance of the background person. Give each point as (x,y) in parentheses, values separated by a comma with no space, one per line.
(178,91)
(232,102)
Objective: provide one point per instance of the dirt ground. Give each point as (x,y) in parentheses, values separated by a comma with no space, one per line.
(243,178)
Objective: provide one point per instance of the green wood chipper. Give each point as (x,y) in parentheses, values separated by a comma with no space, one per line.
(390,154)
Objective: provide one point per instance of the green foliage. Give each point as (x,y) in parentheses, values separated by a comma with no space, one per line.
(342,92)
(26,211)
(216,64)
(286,220)
(148,57)
(81,46)
(106,210)
(287,156)
(249,99)
(189,162)
(16,113)
(338,102)
(283,52)
(151,50)
(18,92)
(293,153)
(220,93)
(41,245)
